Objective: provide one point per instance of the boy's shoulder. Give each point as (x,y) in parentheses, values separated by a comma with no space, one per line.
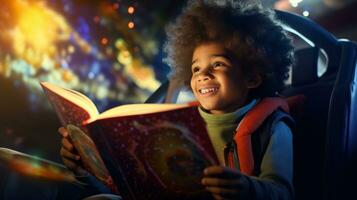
(269,109)
(280,115)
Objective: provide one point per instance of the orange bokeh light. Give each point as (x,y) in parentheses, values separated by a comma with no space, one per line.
(131,10)
(96,19)
(104,41)
(131,25)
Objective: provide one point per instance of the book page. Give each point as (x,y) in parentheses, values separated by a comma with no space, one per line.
(139,109)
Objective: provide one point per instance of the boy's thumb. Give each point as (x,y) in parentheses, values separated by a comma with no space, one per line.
(63,131)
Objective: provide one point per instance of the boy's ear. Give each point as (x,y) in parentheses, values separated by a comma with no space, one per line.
(254,80)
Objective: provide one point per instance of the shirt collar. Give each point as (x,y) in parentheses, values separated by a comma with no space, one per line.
(232,117)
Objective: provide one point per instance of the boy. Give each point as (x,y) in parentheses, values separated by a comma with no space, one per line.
(233,56)
(238,55)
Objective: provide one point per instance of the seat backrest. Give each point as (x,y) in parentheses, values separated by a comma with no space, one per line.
(341,146)
(310,133)
(326,141)
(304,71)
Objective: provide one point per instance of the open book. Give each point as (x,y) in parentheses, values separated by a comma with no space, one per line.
(146,151)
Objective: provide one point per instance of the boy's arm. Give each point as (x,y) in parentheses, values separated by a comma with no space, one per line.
(276,178)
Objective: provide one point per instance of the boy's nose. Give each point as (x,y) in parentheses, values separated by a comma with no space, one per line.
(205,75)
(203,78)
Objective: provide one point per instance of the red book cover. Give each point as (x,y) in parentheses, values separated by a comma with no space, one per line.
(74,111)
(156,156)
(152,151)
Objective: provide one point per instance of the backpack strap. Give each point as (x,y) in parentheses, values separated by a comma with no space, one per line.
(249,124)
(261,137)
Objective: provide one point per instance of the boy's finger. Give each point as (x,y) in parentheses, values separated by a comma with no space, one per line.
(219,197)
(73,166)
(76,168)
(69,163)
(226,183)
(222,172)
(67,144)
(63,131)
(223,192)
(67,154)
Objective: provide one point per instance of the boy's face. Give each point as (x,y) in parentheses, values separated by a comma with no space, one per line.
(217,80)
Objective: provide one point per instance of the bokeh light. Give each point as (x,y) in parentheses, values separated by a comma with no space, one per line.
(83,45)
(306,13)
(104,41)
(131,25)
(131,10)
(40,38)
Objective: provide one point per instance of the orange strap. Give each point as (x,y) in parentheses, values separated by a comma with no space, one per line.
(249,124)
(193,103)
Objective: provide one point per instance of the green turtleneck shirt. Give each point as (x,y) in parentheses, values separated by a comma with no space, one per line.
(222,127)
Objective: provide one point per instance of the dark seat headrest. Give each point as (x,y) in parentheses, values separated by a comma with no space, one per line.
(304,70)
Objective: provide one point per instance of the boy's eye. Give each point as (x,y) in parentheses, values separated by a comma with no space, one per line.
(218,64)
(195,69)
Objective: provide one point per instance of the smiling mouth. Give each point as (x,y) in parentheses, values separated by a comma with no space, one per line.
(208,90)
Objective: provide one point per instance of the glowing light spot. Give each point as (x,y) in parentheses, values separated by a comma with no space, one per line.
(116,6)
(119,44)
(124,57)
(306,13)
(67,75)
(104,41)
(131,10)
(37,30)
(91,75)
(96,19)
(37,27)
(142,74)
(282,5)
(131,25)
(102,92)
(295,3)
(126,54)
(71,49)
(47,63)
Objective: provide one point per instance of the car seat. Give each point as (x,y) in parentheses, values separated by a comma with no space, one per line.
(325,142)
(341,146)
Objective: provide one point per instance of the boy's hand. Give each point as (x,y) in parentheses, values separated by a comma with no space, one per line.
(68,153)
(225,183)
